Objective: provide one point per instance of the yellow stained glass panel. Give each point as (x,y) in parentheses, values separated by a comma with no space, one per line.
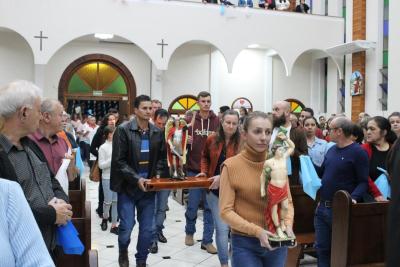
(183,102)
(191,102)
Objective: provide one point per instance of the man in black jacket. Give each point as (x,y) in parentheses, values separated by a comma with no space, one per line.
(22,161)
(138,154)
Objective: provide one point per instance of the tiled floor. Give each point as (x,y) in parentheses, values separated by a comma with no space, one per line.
(180,255)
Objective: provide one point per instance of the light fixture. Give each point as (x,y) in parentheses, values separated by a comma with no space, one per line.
(254,46)
(103,36)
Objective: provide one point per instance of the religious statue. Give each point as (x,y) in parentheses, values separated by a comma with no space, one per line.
(176,134)
(274,180)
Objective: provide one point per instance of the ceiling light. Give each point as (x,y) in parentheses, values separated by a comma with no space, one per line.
(103,36)
(254,46)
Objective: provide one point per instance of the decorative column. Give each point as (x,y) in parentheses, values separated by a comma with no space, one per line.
(358,59)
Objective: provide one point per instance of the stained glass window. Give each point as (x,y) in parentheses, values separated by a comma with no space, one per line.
(183,103)
(295,105)
(97,78)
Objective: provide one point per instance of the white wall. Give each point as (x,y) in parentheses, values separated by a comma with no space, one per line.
(297,85)
(248,79)
(145,23)
(16,58)
(188,72)
(131,56)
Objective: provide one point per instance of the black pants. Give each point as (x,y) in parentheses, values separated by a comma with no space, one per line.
(101,200)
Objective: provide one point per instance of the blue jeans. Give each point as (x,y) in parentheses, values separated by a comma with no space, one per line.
(160,210)
(221,229)
(323,234)
(145,214)
(244,3)
(110,200)
(247,251)
(195,195)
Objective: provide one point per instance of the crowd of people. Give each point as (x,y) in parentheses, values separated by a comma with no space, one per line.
(40,143)
(281,5)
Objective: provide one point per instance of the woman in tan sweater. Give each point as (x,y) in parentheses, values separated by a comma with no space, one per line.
(241,204)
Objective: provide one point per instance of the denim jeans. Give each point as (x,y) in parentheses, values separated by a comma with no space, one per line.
(244,3)
(145,215)
(221,229)
(247,251)
(195,195)
(323,234)
(110,198)
(160,210)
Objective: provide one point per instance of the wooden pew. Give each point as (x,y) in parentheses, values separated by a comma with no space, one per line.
(304,208)
(77,199)
(89,257)
(358,232)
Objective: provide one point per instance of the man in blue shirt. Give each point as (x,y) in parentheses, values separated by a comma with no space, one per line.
(344,168)
(138,154)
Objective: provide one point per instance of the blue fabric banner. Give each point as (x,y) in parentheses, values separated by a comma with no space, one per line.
(309,177)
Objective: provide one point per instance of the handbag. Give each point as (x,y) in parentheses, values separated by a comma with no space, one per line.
(95,172)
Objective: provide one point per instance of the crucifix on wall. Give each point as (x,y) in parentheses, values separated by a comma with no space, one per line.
(162,47)
(41,37)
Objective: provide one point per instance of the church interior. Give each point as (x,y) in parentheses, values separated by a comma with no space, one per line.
(95,55)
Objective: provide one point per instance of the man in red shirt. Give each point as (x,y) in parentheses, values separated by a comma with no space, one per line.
(53,147)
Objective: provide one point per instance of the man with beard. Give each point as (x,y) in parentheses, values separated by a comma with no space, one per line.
(281,118)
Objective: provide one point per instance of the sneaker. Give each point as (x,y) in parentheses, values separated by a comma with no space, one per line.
(162,238)
(114,230)
(209,248)
(103,224)
(123,259)
(189,241)
(153,248)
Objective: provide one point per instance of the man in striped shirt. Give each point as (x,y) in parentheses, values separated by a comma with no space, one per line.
(138,154)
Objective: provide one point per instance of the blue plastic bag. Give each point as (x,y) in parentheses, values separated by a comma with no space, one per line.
(79,162)
(382,182)
(68,239)
(309,177)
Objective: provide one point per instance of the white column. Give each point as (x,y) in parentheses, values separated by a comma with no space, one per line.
(374,57)
(394,57)
(268,84)
(335,8)
(349,38)
(214,79)
(39,79)
(317,86)
(333,95)
(318,7)
(157,85)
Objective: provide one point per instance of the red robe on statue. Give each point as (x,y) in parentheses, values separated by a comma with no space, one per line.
(275,195)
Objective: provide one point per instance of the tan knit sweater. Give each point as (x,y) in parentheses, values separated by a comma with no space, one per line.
(240,202)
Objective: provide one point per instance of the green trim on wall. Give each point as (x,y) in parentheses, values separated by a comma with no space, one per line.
(118,86)
(76,85)
(386,3)
(385,58)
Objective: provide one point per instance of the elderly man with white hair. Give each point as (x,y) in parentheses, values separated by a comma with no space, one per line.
(22,161)
(54,147)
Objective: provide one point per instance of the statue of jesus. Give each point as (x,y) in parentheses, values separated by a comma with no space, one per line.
(274,178)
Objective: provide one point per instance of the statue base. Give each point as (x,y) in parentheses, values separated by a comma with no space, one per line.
(276,242)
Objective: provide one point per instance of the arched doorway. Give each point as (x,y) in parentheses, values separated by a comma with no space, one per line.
(95,83)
